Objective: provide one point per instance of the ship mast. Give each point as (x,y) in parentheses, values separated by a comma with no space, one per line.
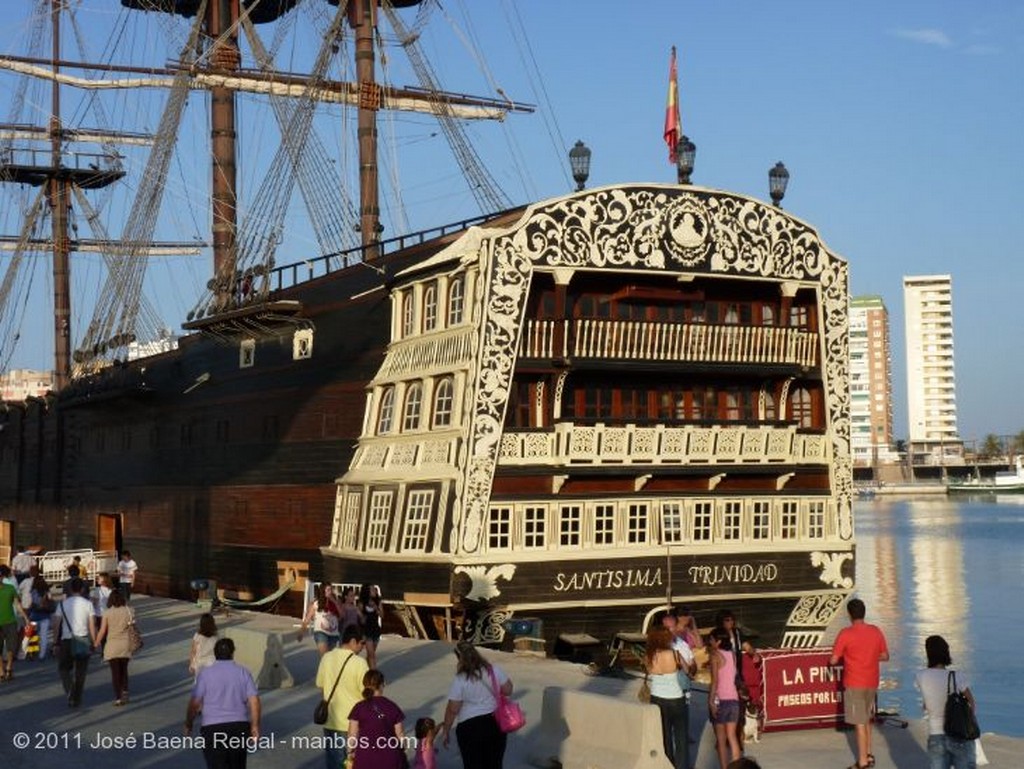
(58,199)
(221,21)
(362,19)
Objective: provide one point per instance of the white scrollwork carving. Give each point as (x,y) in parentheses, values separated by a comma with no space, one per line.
(831,565)
(488,627)
(484,580)
(815,610)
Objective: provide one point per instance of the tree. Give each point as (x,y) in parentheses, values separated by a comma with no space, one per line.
(992,448)
(1018,443)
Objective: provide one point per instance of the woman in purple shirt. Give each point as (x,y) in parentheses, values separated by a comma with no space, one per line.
(375,727)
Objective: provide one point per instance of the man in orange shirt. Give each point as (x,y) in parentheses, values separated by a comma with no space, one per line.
(861,646)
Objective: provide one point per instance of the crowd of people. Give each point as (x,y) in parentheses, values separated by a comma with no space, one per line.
(347,628)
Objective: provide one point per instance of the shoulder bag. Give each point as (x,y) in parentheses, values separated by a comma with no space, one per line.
(644,693)
(135,642)
(508,714)
(322,710)
(959,722)
(73,647)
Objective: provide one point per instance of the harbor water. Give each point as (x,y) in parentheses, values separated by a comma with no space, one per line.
(952,567)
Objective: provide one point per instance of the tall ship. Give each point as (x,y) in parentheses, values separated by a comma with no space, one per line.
(553,418)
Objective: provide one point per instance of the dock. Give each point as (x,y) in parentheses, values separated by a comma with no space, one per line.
(418,673)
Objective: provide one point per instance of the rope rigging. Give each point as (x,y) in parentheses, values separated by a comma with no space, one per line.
(114,324)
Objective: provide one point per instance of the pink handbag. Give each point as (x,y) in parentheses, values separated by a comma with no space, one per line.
(508,714)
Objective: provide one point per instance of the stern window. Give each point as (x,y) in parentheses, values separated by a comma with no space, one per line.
(380,515)
(456,301)
(417,520)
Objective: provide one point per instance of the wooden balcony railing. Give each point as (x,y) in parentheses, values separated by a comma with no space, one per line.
(573,444)
(643,340)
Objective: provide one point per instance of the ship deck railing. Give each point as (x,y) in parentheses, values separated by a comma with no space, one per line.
(570,443)
(289,275)
(657,341)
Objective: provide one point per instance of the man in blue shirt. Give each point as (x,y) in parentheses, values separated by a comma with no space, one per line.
(226,695)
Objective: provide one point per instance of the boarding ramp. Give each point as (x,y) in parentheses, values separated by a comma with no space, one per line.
(53,565)
(581,730)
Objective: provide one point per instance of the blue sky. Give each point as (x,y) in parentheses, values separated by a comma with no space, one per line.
(900,124)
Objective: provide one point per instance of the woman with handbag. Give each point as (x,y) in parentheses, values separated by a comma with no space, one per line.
(117,652)
(663,666)
(934,684)
(473,698)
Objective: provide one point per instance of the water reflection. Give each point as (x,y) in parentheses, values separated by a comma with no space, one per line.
(947,567)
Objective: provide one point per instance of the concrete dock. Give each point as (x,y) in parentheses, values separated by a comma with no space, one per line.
(148,731)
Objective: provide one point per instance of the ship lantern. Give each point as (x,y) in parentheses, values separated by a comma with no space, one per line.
(579,160)
(686,151)
(778,178)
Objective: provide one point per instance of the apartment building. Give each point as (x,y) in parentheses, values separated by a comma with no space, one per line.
(871,435)
(931,383)
(19,384)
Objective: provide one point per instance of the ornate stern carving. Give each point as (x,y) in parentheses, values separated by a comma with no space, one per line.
(484,580)
(831,565)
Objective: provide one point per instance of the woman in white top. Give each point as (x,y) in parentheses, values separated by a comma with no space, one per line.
(663,667)
(472,700)
(323,614)
(201,654)
(943,751)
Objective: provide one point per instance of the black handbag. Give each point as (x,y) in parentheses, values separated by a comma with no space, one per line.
(959,722)
(322,710)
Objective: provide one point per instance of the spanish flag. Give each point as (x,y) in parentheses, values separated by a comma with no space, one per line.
(673,125)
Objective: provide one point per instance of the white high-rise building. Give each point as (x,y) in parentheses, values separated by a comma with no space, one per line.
(931,383)
(870,382)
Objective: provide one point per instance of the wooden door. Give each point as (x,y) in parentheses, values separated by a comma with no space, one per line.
(108,532)
(6,541)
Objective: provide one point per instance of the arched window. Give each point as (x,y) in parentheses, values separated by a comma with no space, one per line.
(456,301)
(802,408)
(430,308)
(408,315)
(386,412)
(767,315)
(770,408)
(443,402)
(413,401)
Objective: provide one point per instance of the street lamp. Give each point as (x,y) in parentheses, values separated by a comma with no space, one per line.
(686,150)
(579,161)
(778,178)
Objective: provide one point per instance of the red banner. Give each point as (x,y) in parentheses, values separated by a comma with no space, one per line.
(673,127)
(801,689)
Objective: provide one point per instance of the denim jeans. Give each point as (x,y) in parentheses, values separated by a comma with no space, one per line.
(675,729)
(944,752)
(335,748)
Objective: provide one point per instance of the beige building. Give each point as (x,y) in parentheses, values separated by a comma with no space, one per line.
(931,382)
(871,435)
(20,384)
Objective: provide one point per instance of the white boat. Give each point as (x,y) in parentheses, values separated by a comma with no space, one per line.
(1004,482)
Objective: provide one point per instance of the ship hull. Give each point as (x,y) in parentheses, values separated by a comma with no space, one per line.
(468,425)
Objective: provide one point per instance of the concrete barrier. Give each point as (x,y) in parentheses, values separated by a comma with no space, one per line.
(580,730)
(262,652)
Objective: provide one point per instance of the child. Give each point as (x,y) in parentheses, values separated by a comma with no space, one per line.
(425,755)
